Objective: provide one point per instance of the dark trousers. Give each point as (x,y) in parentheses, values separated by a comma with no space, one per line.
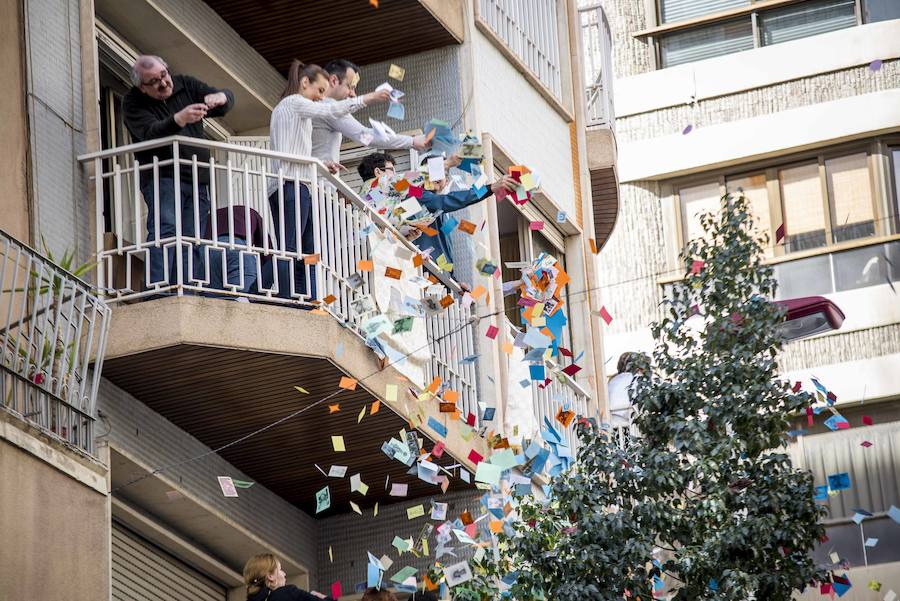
(167,213)
(297,269)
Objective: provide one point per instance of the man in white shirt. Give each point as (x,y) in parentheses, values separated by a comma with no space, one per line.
(328,131)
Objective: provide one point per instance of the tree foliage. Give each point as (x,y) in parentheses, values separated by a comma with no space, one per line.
(705,503)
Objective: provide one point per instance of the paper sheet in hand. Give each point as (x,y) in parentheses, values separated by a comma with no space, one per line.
(436,169)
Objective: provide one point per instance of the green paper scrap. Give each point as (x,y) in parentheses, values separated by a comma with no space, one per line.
(504,458)
(242,484)
(323,500)
(401,544)
(488,473)
(415,512)
(404,324)
(403,574)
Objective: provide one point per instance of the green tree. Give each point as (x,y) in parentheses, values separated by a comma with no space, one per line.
(704,504)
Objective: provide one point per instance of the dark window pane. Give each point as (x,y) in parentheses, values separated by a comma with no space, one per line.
(860,267)
(805,19)
(679,10)
(880,10)
(847,541)
(804,277)
(893,255)
(706,42)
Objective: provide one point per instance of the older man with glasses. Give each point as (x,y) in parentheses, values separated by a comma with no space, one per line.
(161,104)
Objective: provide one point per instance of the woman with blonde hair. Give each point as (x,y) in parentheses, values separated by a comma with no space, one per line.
(265,581)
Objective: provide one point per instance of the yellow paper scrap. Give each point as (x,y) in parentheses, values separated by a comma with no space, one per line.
(362,414)
(425,546)
(376,511)
(330,554)
(338,443)
(396,72)
(303,390)
(390,392)
(415,512)
(355,507)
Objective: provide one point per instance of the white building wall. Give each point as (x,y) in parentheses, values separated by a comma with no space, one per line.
(522,121)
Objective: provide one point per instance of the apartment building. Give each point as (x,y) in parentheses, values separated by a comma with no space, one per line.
(125,399)
(795,104)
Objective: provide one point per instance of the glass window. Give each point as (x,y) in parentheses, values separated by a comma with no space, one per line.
(696,201)
(805,19)
(880,10)
(895,176)
(804,277)
(754,188)
(804,213)
(851,197)
(706,42)
(860,267)
(679,10)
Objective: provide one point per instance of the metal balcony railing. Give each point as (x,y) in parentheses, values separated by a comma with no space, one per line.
(245,187)
(596,52)
(529,29)
(54,327)
(562,391)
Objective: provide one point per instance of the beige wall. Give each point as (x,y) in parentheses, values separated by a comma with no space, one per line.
(13,181)
(55,532)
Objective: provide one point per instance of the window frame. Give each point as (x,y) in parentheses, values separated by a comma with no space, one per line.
(656,29)
(882,195)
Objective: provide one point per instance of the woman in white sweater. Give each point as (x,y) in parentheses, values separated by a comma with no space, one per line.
(291,132)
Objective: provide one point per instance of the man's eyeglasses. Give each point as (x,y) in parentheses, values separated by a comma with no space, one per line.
(156,80)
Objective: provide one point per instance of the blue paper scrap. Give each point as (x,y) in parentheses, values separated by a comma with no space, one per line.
(839,481)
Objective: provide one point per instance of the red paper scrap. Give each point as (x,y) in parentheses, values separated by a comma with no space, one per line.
(470,419)
(867,420)
(571,370)
(779,234)
(438,449)
(809,416)
(866,443)
(492,332)
(797,386)
(697,266)
(605,315)
(336,589)
(474,457)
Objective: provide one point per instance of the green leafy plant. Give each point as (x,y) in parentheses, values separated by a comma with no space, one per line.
(705,503)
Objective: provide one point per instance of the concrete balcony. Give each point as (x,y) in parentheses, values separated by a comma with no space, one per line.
(220,369)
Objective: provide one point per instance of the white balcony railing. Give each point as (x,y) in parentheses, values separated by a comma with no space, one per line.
(596,52)
(54,327)
(194,258)
(562,391)
(529,29)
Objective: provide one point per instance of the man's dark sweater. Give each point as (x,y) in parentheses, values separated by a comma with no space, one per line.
(148,119)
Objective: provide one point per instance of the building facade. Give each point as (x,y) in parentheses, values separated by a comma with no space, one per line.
(115,436)
(794,104)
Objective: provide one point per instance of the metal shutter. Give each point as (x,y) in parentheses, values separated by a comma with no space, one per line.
(143,572)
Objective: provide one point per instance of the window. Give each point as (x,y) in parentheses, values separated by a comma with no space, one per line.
(849,188)
(823,200)
(696,201)
(804,214)
(820,201)
(895,181)
(706,42)
(728,26)
(807,19)
(880,10)
(754,188)
(680,10)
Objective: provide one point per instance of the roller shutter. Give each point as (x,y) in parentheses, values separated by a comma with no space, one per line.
(143,572)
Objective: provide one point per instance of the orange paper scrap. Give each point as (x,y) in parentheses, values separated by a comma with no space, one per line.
(347,383)
(365,265)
